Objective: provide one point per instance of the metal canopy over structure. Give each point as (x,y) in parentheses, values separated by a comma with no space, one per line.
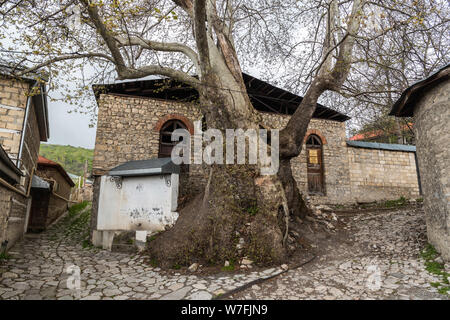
(148,167)
(382,146)
(39,183)
(8,170)
(264,96)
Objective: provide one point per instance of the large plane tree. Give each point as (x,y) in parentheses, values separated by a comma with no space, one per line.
(205,44)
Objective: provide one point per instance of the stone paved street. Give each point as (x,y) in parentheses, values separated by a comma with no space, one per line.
(383,246)
(39,264)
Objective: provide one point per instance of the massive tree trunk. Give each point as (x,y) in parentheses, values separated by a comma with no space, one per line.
(295,201)
(238,202)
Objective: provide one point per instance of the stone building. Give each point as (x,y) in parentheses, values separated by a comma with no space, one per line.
(49,204)
(136,118)
(429,102)
(23,125)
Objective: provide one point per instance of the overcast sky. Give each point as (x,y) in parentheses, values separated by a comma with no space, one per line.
(69,128)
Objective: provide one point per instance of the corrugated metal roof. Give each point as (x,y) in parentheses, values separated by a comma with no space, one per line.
(75,178)
(263,95)
(145,168)
(150,77)
(382,146)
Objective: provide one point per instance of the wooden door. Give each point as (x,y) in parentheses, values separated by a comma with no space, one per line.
(315,165)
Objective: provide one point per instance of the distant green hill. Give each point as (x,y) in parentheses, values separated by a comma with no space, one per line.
(71,158)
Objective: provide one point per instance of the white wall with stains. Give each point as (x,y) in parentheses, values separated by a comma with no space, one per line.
(138,203)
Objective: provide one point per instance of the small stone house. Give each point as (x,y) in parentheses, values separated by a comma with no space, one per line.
(136,118)
(23,125)
(50,203)
(428,101)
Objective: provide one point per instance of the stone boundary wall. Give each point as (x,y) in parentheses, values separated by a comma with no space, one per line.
(377,175)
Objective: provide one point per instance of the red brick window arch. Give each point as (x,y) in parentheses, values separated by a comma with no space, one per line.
(165,126)
(165,137)
(317,133)
(186,122)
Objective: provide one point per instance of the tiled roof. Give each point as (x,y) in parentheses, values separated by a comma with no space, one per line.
(49,163)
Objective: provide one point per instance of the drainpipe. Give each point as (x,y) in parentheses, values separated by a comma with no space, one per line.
(24,127)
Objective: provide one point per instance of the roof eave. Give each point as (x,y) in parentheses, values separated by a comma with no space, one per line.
(98,89)
(41,109)
(60,169)
(404,106)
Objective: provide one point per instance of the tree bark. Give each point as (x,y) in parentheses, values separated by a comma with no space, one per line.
(238,202)
(296,204)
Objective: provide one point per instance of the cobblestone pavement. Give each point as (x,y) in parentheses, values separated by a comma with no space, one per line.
(383,246)
(41,265)
(380,260)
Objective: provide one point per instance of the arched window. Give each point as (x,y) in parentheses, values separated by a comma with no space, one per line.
(165,137)
(315,164)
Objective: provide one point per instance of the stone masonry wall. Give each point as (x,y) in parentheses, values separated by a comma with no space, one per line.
(17,218)
(13,209)
(432,116)
(128,129)
(13,101)
(5,207)
(31,145)
(382,175)
(336,173)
